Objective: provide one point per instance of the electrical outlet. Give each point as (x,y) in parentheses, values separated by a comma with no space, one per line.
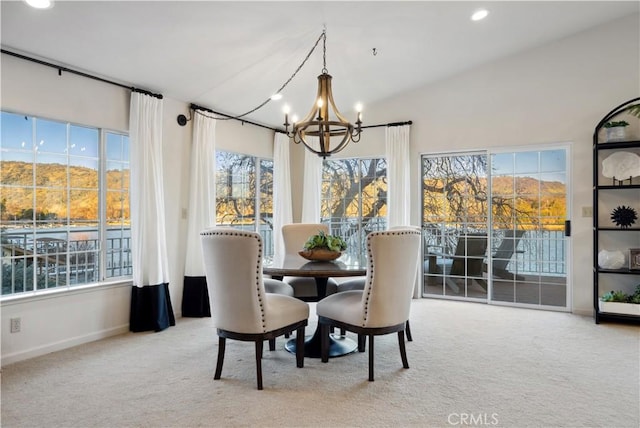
(15,325)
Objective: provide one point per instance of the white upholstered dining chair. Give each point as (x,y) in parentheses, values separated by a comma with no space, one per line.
(294,236)
(384,304)
(358,284)
(240,307)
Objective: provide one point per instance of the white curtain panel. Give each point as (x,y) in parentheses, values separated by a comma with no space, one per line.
(148,235)
(282,211)
(312,185)
(398,175)
(202,191)
(151,307)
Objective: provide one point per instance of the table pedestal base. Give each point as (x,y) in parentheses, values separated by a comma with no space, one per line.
(338,345)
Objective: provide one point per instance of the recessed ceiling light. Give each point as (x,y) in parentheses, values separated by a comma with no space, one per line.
(276,97)
(40,4)
(479,14)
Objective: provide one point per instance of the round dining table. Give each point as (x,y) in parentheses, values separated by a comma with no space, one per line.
(321,271)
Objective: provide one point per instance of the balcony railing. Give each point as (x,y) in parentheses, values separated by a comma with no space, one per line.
(537,252)
(49,261)
(56,262)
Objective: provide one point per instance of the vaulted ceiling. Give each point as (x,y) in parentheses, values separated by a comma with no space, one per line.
(231,56)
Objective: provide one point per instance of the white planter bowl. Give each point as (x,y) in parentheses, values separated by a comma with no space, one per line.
(616,133)
(619,308)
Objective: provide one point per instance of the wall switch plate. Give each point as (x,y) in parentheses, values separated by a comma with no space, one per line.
(587,211)
(15,325)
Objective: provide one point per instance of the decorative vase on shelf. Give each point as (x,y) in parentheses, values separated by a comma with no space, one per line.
(616,131)
(611,259)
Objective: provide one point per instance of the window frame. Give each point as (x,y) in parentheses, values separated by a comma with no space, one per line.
(362,231)
(268,244)
(32,289)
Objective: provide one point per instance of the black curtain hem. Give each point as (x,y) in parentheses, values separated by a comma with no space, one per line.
(195,297)
(151,308)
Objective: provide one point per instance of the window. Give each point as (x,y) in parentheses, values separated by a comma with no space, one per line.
(244,194)
(64,205)
(354,199)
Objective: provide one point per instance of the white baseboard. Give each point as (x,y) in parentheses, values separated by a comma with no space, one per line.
(63,344)
(584,312)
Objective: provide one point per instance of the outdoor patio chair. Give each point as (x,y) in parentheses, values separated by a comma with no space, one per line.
(503,254)
(467,261)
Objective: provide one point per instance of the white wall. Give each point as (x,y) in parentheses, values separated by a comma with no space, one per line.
(555,93)
(62,319)
(59,320)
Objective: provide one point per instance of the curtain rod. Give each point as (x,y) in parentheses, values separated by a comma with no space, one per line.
(142,91)
(79,73)
(408,122)
(197,107)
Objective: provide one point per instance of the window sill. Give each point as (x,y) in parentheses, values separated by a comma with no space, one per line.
(59,292)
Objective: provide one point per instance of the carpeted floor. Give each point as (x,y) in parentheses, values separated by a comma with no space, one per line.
(471,365)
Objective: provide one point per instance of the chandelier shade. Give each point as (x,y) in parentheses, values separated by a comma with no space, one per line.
(332,130)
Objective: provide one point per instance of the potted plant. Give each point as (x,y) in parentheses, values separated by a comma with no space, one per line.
(323,247)
(616,130)
(618,302)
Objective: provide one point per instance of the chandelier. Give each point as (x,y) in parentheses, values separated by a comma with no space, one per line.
(331,130)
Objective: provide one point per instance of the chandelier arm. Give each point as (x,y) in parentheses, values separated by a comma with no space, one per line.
(298,138)
(355,136)
(330,100)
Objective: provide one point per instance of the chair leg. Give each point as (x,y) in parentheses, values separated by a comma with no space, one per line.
(221,346)
(403,350)
(300,347)
(371,357)
(272,344)
(286,335)
(407,328)
(259,363)
(343,332)
(324,342)
(362,339)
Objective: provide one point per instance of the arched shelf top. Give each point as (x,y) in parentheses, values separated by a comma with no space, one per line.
(616,111)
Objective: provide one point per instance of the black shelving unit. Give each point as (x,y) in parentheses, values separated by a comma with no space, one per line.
(607,194)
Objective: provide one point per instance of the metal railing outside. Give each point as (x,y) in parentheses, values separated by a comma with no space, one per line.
(49,261)
(538,252)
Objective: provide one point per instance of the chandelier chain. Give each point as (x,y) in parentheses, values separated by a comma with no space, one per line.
(323,36)
(324,52)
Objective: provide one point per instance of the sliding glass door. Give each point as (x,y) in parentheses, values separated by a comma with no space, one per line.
(455,220)
(494,227)
(529,255)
